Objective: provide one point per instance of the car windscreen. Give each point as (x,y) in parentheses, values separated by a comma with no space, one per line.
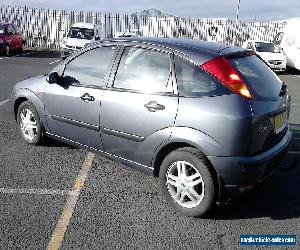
(265,47)
(81,33)
(261,80)
(2,30)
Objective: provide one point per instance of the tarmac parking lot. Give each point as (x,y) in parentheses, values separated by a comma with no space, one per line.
(57,195)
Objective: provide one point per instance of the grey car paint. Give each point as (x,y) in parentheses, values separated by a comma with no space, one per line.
(65,106)
(223,130)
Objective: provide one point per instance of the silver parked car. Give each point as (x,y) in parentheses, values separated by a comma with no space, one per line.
(208,119)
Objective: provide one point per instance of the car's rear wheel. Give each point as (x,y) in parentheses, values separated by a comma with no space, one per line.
(186,182)
(29,123)
(22,48)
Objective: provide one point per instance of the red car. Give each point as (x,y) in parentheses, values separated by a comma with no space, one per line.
(11,39)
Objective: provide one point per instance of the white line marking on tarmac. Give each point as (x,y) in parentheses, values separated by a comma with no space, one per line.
(66,215)
(3,102)
(36,191)
(55,61)
(1,58)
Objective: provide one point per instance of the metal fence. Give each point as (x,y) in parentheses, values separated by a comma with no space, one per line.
(46,27)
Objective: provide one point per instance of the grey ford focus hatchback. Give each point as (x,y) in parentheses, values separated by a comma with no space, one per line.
(208,119)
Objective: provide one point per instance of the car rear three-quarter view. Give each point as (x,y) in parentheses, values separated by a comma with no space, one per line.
(208,119)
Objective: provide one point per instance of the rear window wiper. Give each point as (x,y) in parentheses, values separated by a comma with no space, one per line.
(283,89)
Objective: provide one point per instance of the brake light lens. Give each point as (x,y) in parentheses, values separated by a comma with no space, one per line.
(221,69)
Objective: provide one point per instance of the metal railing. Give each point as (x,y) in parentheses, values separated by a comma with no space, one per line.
(46,27)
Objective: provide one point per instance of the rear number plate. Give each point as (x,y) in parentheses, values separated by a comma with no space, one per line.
(280,122)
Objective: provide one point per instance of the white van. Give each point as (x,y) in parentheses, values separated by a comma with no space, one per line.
(79,35)
(289,40)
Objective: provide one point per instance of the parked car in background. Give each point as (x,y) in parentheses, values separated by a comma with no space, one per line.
(78,36)
(208,119)
(289,40)
(126,34)
(11,39)
(269,52)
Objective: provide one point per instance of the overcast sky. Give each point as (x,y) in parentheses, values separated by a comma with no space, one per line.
(249,9)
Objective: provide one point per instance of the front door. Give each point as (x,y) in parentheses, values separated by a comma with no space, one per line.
(139,109)
(73,106)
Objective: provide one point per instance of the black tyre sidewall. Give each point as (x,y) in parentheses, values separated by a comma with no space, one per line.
(39,137)
(191,156)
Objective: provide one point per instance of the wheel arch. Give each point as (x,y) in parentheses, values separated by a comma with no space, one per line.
(168,148)
(17,104)
(23,95)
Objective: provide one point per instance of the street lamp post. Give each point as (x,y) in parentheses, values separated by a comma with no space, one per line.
(236,23)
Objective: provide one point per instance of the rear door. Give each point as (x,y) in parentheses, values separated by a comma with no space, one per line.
(18,35)
(14,44)
(270,103)
(139,107)
(74,105)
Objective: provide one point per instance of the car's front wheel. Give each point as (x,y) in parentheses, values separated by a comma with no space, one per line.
(186,182)
(29,123)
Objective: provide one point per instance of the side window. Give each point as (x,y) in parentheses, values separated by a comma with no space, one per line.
(193,82)
(16,28)
(143,70)
(10,29)
(90,67)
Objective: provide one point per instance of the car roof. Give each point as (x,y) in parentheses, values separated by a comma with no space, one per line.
(259,41)
(5,24)
(195,50)
(83,25)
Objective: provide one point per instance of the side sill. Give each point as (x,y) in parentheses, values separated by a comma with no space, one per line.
(137,166)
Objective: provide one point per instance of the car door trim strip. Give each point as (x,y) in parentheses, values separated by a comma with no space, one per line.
(76,123)
(122,134)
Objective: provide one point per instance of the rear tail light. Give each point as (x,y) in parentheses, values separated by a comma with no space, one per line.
(221,69)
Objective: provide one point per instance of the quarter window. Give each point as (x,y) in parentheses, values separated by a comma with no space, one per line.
(143,70)
(90,67)
(193,82)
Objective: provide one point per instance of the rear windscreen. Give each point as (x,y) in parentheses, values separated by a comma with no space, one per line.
(261,80)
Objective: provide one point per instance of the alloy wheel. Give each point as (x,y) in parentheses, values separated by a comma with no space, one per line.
(185,184)
(28,124)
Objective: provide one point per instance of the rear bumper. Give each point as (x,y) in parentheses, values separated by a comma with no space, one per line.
(241,173)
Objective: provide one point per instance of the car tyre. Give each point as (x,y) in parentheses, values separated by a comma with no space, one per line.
(186,182)
(22,48)
(30,126)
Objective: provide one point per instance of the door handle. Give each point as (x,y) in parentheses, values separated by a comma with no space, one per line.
(87,98)
(152,106)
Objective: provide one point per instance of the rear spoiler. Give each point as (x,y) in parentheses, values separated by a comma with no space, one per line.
(233,52)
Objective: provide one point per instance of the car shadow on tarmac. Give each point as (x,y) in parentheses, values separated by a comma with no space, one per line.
(51,143)
(277,198)
(40,54)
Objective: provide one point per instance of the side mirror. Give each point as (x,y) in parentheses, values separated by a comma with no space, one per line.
(53,78)
(278,49)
